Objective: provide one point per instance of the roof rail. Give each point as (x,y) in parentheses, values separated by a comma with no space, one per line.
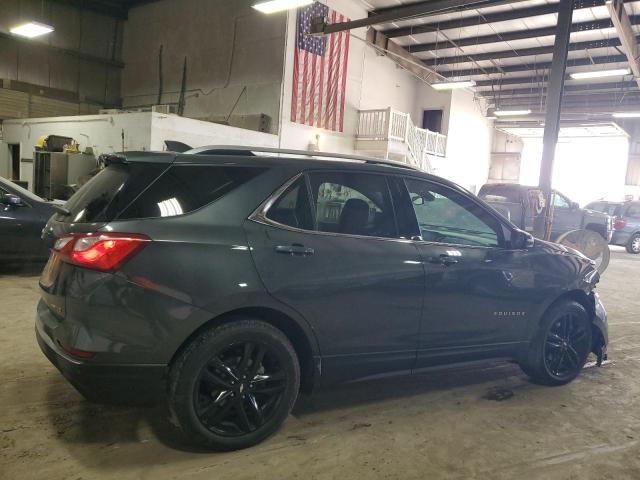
(250,151)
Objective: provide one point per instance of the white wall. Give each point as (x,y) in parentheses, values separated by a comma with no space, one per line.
(469,138)
(103,133)
(234,53)
(198,133)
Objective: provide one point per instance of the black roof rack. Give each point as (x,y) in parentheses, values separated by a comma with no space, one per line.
(251,151)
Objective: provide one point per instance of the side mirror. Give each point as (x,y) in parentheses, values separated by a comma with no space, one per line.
(575,206)
(11,200)
(521,240)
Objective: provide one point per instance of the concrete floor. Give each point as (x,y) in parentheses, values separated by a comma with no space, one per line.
(468,423)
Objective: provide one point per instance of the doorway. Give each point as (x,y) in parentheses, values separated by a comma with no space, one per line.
(432,120)
(14,155)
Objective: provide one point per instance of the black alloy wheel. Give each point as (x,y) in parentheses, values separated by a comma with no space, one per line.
(560,348)
(239,389)
(566,346)
(234,384)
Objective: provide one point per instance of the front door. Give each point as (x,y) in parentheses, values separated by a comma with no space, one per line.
(476,302)
(329,248)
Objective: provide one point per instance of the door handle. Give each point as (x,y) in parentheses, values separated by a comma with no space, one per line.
(295,249)
(444,259)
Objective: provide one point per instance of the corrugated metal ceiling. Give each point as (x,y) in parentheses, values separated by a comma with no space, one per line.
(504,46)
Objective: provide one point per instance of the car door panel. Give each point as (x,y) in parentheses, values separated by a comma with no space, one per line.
(361,295)
(475,295)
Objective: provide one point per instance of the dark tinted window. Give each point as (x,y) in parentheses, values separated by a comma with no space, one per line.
(353,204)
(185,188)
(446,216)
(293,208)
(110,191)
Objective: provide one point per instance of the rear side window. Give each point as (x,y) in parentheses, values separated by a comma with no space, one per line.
(353,204)
(110,191)
(293,207)
(633,211)
(185,188)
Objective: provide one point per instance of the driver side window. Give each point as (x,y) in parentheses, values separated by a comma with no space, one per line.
(559,201)
(445,216)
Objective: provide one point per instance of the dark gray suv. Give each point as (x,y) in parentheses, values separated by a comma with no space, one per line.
(228,280)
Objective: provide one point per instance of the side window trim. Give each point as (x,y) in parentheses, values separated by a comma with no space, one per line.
(500,233)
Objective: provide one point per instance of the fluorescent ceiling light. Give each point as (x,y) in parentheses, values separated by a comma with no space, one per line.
(453,85)
(273,6)
(627,115)
(600,73)
(511,113)
(31,29)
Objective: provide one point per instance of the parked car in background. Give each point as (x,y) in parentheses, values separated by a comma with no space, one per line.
(229,280)
(23,216)
(626,224)
(604,206)
(521,204)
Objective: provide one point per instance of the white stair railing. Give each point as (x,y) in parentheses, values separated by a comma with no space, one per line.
(389,124)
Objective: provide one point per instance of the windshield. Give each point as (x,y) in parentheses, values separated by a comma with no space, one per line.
(18,190)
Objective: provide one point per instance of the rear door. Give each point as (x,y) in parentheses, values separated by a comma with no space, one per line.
(329,247)
(476,301)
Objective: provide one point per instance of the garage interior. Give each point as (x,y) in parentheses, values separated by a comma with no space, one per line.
(531,92)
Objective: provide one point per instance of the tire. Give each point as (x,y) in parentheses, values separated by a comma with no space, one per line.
(214,404)
(634,244)
(561,345)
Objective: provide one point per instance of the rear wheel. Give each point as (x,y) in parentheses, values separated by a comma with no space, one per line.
(561,346)
(634,244)
(234,385)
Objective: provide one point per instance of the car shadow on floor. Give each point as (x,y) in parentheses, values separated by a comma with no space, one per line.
(21,269)
(87,427)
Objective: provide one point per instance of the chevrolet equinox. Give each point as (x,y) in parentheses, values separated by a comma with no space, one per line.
(226,280)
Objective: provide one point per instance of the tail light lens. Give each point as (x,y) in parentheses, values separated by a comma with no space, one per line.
(619,223)
(100,251)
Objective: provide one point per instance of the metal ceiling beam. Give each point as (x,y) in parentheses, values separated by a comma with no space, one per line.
(581,98)
(622,23)
(406,12)
(542,224)
(483,19)
(498,82)
(596,88)
(105,7)
(470,72)
(522,52)
(515,35)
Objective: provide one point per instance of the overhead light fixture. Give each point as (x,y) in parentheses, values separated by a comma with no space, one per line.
(616,72)
(626,115)
(511,113)
(453,84)
(273,6)
(31,29)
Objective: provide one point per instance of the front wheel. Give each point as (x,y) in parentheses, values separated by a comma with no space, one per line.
(234,385)
(561,346)
(634,244)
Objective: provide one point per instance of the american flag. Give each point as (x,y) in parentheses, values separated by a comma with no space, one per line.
(319,71)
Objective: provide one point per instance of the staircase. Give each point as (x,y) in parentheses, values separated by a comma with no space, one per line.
(387,133)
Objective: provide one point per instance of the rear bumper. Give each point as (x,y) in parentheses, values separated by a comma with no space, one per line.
(121,384)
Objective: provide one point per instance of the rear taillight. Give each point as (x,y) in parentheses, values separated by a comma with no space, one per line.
(100,251)
(619,223)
